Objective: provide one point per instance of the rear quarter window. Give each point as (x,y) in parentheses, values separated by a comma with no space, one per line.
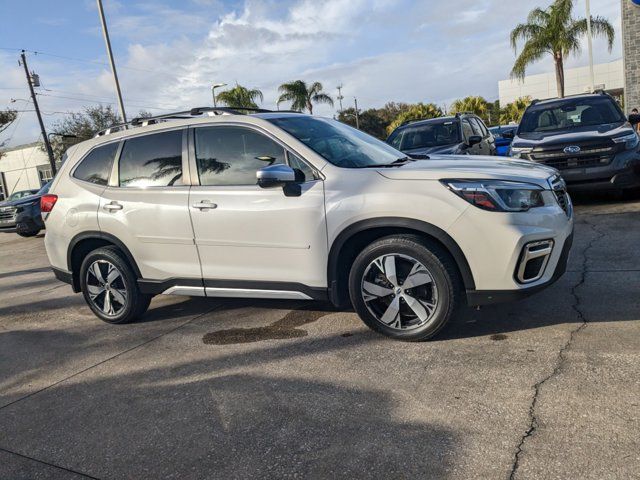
(96,166)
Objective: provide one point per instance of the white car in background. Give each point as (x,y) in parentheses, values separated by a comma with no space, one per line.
(217,203)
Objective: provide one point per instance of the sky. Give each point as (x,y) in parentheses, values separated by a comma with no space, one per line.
(169,53)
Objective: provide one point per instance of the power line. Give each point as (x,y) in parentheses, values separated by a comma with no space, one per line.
(97,101)
(83,60)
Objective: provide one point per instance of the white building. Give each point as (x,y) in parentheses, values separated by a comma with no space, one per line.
(24,167)
(607,76)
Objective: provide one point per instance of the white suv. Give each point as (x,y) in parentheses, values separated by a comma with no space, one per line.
(215,203)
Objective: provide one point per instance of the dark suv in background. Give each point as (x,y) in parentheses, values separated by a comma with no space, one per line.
(464,134)
(586,137)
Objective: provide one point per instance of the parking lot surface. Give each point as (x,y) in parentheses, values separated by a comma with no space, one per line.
(547,387)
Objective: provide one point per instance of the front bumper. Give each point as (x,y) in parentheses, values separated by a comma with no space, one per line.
(488,297)
(622,172)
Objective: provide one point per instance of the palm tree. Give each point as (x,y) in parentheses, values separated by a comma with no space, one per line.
(240,96)
(419,111)
(554,31)
(513,111)
(477,105)
(303,97)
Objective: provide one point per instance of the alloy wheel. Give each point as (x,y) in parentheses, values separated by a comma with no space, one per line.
(106,288)
(399,291)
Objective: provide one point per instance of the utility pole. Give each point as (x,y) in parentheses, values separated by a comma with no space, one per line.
(589,43)
(113,65)
(340,97)
(45,138)
(357,115)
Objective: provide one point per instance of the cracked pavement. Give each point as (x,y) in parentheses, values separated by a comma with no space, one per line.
(548,387)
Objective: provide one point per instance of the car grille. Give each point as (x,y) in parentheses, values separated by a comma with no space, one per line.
(560,191)
(591,154)
(7,213)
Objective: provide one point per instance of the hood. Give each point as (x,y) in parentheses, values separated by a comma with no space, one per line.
(471,167)
(20,201)
(441,149)
(562,137)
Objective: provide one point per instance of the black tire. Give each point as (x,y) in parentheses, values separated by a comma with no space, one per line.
(136,303)
(439,265)
(27,233)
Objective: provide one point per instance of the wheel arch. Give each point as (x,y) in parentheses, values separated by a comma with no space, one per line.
(85,242)
(353,238)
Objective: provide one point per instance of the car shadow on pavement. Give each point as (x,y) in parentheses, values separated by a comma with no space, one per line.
(159,422)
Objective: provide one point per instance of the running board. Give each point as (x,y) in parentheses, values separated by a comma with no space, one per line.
(236,293)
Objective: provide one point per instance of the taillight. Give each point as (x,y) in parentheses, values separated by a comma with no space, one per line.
(47,202)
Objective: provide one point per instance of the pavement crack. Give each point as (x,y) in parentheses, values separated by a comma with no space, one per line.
(560,358)
(53,465)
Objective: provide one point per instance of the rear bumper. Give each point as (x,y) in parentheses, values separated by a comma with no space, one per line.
(66,277)
(487,297)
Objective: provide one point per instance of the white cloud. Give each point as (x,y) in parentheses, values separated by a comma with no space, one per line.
(381,50)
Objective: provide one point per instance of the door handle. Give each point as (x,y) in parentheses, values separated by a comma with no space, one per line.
(112,206)
(204,205)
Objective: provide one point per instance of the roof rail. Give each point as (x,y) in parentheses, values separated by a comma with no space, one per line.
(194,112)
(465,113)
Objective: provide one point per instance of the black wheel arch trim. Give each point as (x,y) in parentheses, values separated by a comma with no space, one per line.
(97,235)
(396,222)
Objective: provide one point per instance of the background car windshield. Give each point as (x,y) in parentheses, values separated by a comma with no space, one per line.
(568,114)
(426,136)
(338,143)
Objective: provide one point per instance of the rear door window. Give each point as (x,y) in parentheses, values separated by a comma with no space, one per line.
(96,166)
(153,160)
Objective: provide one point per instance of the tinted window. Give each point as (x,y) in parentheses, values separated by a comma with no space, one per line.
(430,135)
(571,113)
(96,166)
(477,129)
(304,173)
(152,160)
(338,143)
(466,129)
(233,155)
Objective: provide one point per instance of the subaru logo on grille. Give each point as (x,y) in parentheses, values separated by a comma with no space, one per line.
(572,149)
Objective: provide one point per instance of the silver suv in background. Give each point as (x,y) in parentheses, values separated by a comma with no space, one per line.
(216,203)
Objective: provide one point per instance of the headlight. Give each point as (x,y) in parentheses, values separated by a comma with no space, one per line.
(631,140)
(518,152)
(497,195)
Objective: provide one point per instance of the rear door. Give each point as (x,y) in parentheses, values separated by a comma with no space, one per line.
(254,239)
(145,206)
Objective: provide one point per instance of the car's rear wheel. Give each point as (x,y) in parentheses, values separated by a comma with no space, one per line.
(110,287)
(405,287)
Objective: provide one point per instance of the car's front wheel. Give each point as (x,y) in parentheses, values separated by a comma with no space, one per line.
(405,287)
(110,287)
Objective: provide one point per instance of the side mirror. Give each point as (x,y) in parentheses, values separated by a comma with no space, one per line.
(510,134)
(275,176)
(474,140)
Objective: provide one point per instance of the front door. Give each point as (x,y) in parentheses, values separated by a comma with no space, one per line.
(251,239)
(146,206)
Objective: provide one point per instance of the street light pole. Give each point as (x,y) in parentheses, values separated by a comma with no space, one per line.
(213,92)
(590,45)
(45,138)
(357,115)
(113,65)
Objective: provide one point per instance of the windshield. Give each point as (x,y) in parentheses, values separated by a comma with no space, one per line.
(338,143)
(571,113)
(24,193)
(427,135)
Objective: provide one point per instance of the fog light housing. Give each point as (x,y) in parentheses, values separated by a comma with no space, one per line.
(533,261)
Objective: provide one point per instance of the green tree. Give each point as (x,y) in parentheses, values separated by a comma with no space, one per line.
(371,121)
(240,96)
(7,117)
(513,111)
(77,127)
(301,96)
(418,111)
(477,105)
(554,31)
